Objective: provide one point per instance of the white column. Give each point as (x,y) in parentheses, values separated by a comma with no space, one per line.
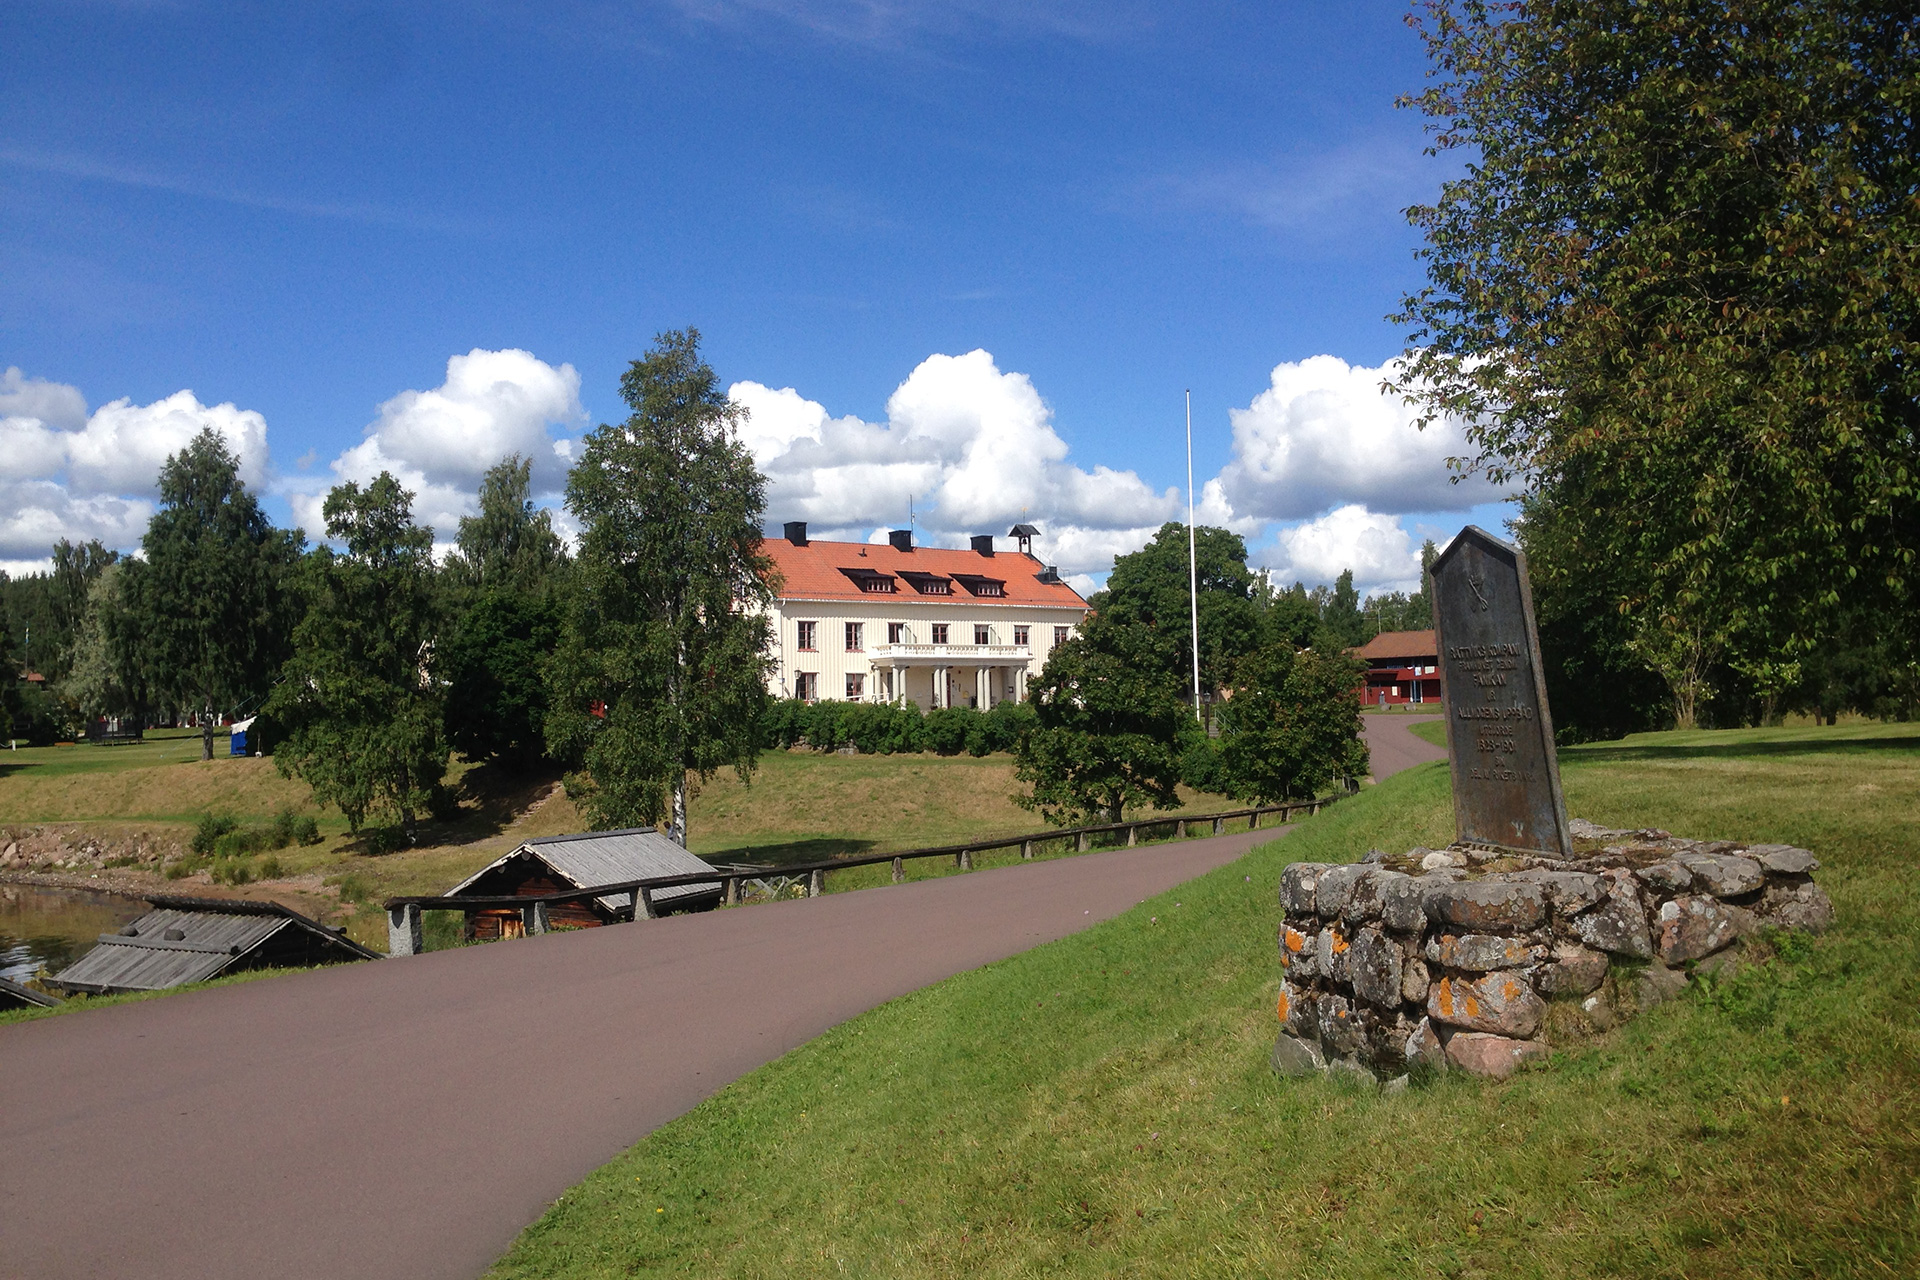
(983,681)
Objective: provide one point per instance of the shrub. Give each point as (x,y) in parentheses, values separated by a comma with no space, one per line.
(212,827)
(234,871)
(945,730)
(238,844)
(384,840)
(306,830)
(999,729)
(270,868)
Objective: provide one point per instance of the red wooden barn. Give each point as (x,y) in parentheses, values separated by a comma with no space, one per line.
(1402,667)
(555,864)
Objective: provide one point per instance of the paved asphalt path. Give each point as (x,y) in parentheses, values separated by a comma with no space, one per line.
(407,1118)
(1394,748)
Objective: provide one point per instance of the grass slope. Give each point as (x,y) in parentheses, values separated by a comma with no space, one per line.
(1102,1105)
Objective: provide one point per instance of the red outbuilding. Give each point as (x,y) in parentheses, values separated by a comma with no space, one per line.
(1402,667)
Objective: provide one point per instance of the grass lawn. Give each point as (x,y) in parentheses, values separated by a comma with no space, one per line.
(1102,1105)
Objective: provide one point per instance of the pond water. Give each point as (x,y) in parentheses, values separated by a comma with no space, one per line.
(51,928)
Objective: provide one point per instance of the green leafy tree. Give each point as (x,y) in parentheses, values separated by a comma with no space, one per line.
(510,546)
(1292,615)
(507,576)
(494,663)
(359,701)
(1293,726)
(107,674)
(1340,617)
(1150,587)
(1681,276)
(1111,719)
(215,603)
(662,667)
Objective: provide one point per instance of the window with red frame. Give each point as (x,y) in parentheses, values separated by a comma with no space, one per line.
(806,630)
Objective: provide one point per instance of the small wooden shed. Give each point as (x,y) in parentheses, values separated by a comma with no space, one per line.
(555,864)
(186,940)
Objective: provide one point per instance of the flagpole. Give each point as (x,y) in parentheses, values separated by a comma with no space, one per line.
(1193,572)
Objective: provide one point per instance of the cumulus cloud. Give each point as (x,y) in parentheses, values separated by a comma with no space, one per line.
(971,446)
(439,443)
(1381,553)
(67,473)
(1323,434)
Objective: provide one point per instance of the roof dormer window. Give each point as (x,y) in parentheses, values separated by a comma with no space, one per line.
(928,584)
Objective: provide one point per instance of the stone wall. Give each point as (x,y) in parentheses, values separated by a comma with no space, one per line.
(1468,957)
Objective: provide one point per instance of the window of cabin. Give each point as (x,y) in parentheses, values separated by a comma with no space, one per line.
(1020,635)
(1060,635)
(896,633)
(982,635)
(806,630)
(939,633)
(806,686)
(856,687)
(853,636)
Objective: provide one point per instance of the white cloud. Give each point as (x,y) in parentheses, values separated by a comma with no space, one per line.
(65,473)
(439,443)
(1323,433)
(1380,552)
(971,446)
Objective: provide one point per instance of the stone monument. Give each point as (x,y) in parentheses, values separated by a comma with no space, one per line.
(1529,930)
(1506,775)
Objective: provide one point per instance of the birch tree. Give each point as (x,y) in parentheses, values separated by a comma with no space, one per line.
(662,666)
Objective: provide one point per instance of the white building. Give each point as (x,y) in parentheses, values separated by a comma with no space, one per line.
(885,622)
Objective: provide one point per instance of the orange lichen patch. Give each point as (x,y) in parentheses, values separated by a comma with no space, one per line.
(1284,1006)
(1295,939)
(1339,942)
(1443,998)
(1510,990)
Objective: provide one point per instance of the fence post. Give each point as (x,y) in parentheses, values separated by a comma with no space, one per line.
(533,918)
(732,898)
(1253,820)
(1219,825)
(1179,828)
(816,884)
(643,904)
(1133,834)
(1083,842)
(403,930)
(899,870)
(966,859)
(1026,851)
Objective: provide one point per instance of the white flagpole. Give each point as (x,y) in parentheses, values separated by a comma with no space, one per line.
(1193,572)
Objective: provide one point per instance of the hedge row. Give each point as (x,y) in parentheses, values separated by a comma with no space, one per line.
(879,728)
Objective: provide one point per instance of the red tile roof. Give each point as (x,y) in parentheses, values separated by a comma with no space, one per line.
(1399,644)
(828,571)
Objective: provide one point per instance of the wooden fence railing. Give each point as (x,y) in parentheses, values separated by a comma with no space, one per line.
(403,913)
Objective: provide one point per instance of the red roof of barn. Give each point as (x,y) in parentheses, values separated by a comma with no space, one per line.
(1399,644)
(831,570)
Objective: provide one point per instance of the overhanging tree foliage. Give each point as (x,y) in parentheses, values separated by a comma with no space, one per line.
(1674,295)
(213,603)
(1111,716)
(359,700)
(662,667)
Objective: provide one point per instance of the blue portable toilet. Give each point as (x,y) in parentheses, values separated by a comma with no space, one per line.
(237,744)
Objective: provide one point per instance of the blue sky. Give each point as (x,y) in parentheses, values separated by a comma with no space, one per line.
(304,212)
